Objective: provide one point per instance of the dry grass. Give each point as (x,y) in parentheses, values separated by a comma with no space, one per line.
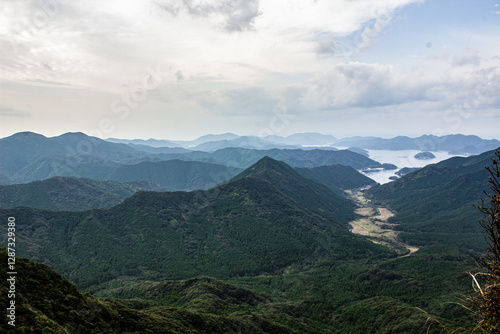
(373,223)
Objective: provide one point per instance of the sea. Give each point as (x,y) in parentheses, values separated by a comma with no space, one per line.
(401,158)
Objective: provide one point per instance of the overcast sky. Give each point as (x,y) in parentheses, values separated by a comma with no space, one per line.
(178,69)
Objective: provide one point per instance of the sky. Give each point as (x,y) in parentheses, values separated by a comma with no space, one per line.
(179,69)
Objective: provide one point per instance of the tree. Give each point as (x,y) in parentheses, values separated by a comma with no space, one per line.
(487,283)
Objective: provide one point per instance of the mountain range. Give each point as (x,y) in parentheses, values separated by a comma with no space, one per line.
(29,157)
(75,194)
(257,241)
(455,144)
(279,241)
(244,227)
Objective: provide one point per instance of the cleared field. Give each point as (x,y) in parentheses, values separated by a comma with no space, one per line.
(374,225)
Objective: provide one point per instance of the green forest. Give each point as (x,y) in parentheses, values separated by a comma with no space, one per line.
(268,251)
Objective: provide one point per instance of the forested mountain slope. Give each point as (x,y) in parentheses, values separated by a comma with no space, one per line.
(245,227)
(435,204)
(71,193)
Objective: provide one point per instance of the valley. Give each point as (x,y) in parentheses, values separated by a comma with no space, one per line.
(373,224)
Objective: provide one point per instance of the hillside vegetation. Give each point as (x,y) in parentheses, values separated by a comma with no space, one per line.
(245,227)
(435,204)
(71,193)
(268,251)
(59,307)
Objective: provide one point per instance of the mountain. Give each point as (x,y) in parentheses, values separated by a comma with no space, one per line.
(455,144)
(311,195)
(287,266)
(435,204)
(27,153)
(61,165)
(29,157)
(59,307)
(359,151)
(335,297)
(244,227)
(159,150)
(174,174)
(244,158)
(141,142)
(206,138)
(70,193)
(304,139)
(336,177)
(241,142)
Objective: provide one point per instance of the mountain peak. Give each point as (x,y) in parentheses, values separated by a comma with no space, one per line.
(304,191)
(26,134)
(264,165)
(74,134)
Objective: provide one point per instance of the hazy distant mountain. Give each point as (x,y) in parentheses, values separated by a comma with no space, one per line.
(241,142)
(45,167)
(207,138)
(25,148)
(70,193)
(359,151)
(28,157)
(303,139)
(176,143)
(455,144)
(148,142)
(159,150)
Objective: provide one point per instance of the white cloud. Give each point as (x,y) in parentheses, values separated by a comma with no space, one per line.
(365,85)
(360,85)
(223,57)
(232,15)
(467,56)
(103,44)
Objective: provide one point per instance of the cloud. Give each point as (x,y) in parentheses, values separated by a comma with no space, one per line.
(223,58)
(105,45)
(179,76)
(233,15)
(467,56)
(362,85)
(9,112)
(326,46)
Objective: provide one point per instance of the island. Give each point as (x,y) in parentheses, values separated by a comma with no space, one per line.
(424,156)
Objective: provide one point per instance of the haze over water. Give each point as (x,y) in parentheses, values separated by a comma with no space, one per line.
(402,158)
